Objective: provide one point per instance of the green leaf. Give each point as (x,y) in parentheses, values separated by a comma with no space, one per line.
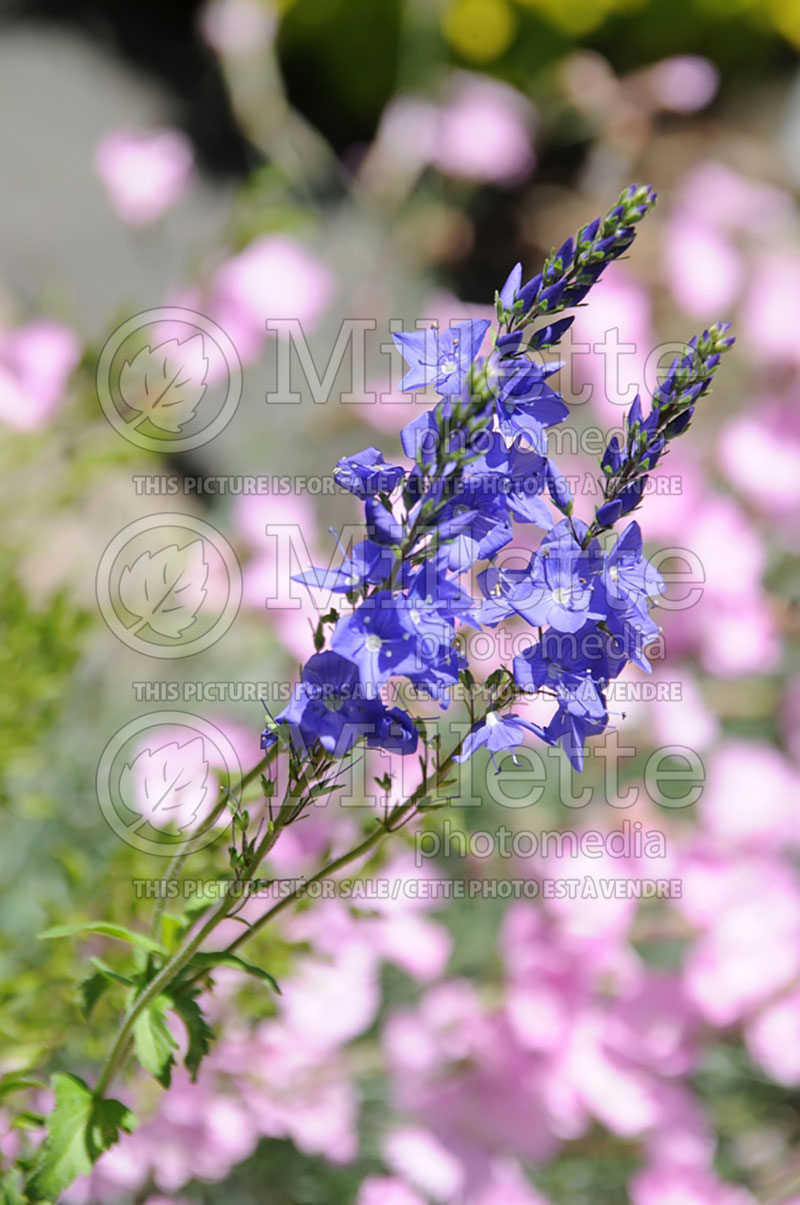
(90,990)
(11,1188)
(172,929)
(198,1030)
(93,986)
(18,1081)
(106,929)
(79,1129)
(108,1117)
(28,1120)
(153,1041)
(209,960)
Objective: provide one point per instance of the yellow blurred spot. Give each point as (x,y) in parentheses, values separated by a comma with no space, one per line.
(786,15)
(577,17)
(479,29)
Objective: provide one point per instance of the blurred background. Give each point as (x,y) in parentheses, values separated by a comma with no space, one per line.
(325,160)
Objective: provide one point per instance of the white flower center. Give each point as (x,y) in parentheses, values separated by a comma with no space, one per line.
(492,720)
(562,596)
(373,644)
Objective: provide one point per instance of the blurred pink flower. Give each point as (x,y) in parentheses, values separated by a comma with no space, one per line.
(254,512)
(729,618)
(683,1136)
(480,131)
(773,1038)
(171,779)
(680,718)
(418,1156)
(144,172)
(768,314)
(683,83)
(267,578)
(484,131)
(727,200)
(36,361)
(668,1185)
(741,772)
(275,277)
(761,455)
(386,1190)
(653,1024)
(506,1185)
(703,267)
(611,344)
(291,1088)
(329,1002)
(748,912)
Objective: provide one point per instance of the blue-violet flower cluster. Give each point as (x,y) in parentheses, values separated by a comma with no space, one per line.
(431,562)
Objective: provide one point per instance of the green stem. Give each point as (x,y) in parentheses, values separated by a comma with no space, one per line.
(176,865)
(399,814)
(173,967)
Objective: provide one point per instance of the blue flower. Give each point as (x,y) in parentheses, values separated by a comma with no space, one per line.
(366,473)
(474,531)
(633,630)
(442,360)
(572,731)
(438,672)
(369,563)
(380,639)
(514,473)
(429,589)
(626,501)
(395,731)
(557,589)
(498,733)
(523,399)
(382,526)
(571,668)
(329,705)
(627,579)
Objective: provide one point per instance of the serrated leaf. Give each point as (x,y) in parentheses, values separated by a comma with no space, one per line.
(90,990)
(198,1031)
(93,986)
(108,1117)
(105,929)
(153,1041)
(165,589)
(79,1129)
(169,781)
(166,383)
(209,960)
